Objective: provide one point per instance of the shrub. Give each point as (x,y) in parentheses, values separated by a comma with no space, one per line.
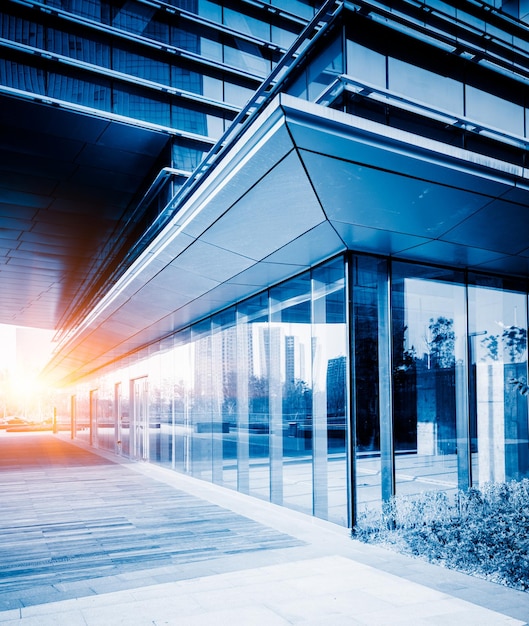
(482,532)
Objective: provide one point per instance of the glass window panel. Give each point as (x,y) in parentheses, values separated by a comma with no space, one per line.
(191,121)
(237,95)
(495,112)
(76,47)
(201,402)
(419,84)
(210,10)
(105,423)
(224,416)
(93,93)
(297,7)
(93,9)
(498,371)
(140,66)
(291,388)
(366,65)
(140,19)
(22,77)
(329,393)
(141,107)
(365,322)
(282,37)
(326,68)
(429,341)
(247,56)
(23,31)
(253,396)
(183,397)
(186,156)
(246,24)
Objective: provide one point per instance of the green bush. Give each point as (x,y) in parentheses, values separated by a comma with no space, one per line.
(483,532)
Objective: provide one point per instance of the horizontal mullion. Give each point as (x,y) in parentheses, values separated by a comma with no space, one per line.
(119,76)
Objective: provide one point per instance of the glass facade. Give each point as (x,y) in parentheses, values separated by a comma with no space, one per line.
(333,391)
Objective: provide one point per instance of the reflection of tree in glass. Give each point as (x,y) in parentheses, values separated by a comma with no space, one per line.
(492,345)
(514,340)
(442,342)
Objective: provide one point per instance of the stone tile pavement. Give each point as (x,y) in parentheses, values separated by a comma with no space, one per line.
(88,539)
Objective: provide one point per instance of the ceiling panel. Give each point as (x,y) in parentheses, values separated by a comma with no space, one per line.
(375,198)
(67,181)
(501,227)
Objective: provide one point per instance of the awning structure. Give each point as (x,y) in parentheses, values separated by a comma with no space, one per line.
(69,181)
(302,184)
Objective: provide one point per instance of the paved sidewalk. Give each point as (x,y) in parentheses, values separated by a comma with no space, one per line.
(88,539)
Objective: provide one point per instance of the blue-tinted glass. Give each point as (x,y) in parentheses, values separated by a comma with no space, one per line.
(97,10)
(326,68)
(140,66)
(247,56)
(493,111)
(183,78)
(22,31)
(210,10)
(186,157)
(237,95)
(76,47)
(140,19)
(141,107)
(183,38)
(246,24)
(189,120)
(431,88)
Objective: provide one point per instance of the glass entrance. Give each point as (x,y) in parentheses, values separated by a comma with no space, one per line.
(140,419)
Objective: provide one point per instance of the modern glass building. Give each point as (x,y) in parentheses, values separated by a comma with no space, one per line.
(322,298)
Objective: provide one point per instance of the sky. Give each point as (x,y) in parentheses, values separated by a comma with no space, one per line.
(24,348)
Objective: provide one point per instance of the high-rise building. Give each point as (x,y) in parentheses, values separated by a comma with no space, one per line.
(312,217)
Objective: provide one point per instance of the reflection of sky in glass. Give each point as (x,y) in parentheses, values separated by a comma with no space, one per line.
(426,300)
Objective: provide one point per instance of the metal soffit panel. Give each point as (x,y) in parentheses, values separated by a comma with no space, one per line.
(67,181)
(268,213)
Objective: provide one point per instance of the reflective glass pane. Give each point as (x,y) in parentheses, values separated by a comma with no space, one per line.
(329,393)
(366,65)
(498,375)
(141,107)
(291,393)
(92,93)
(429,349)
(493,111)
(224,404)
(253,405)
(424,86)
(21,30)
(365,322)
(105,416)
(201,402)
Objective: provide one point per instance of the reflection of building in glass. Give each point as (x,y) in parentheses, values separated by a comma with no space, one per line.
(322,208)
(336,386)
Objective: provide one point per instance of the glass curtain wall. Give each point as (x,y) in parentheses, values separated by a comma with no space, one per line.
(365,329)
(497,344)
(429,382)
